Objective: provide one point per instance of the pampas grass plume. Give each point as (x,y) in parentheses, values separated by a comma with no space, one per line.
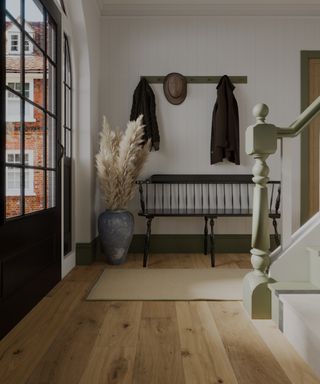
(119,162)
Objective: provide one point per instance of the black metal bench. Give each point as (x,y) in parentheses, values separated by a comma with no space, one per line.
(208,196)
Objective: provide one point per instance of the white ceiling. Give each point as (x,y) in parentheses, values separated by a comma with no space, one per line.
(210,7)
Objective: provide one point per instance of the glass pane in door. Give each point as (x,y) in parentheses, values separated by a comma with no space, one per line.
(34,136)
(51,39)
(51,88)
(35,24)
(34,73)
(51,142)
(14,106)
(13,57)
(68,107)
(51,189)
(68,143)
(14,7)
(34,190)
(13,123)
(13,188)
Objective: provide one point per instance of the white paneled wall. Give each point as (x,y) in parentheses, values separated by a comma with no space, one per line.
(265,49)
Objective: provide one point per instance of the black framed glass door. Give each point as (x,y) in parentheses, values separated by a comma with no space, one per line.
(30,218)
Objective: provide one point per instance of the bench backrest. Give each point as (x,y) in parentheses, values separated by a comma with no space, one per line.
(232,193)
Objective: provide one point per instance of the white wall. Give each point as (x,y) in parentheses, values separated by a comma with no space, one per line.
(85,21)
(93,25)
(266,49)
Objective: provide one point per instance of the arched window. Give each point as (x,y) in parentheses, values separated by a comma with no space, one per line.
(61,4)
(67,128)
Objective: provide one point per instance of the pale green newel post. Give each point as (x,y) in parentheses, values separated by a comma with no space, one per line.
(261,141)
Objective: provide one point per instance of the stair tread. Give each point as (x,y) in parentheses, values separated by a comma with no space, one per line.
(307,307)
(314,249)
(293,286)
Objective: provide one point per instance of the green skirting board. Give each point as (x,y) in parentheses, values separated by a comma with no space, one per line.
(87,253)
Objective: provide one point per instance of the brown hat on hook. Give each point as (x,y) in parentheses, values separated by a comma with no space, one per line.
(175,88)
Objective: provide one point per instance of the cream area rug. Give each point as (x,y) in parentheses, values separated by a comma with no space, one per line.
(169,284)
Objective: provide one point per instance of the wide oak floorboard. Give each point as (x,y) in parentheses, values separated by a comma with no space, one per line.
(252,362)
(66,358)
(158,358)
(67,340)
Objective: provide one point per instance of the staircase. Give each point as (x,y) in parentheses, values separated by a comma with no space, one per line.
(284,286)
(300,324)
(296,310)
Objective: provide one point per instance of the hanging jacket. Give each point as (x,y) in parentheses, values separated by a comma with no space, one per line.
(144,103)
(225,124)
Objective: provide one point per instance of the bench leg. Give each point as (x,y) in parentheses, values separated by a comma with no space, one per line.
(205,244)
(147,242)
(212,250)
(276,234)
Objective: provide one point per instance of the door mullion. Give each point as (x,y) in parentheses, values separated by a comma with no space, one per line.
(2,115)
(23,106)
(45,106)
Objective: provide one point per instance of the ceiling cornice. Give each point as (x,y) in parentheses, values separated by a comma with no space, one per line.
(210,9)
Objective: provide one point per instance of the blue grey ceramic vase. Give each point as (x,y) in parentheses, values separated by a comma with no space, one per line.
(115,231)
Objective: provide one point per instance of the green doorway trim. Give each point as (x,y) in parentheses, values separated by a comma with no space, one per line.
(304,176)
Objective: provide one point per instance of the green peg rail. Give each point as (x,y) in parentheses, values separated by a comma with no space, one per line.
(199,79)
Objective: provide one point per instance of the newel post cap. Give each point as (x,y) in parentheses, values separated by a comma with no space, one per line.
(260,112)
(261,138)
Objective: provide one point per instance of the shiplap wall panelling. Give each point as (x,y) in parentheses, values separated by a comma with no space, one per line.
(266,49)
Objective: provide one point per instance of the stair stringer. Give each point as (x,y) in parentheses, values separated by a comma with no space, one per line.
(293,263)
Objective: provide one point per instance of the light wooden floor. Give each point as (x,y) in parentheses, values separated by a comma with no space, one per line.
(68,340)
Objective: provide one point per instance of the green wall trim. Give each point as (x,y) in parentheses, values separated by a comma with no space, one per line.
(304,176)
(233,243)
(87,253)
(191,243)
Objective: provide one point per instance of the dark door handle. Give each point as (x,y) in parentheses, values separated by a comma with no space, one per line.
(62,152)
